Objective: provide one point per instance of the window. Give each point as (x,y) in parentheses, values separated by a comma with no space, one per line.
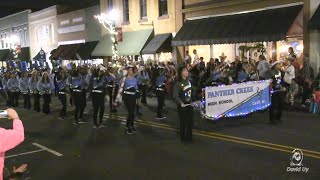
(26,37)
(143,9)
(6,40)
(126,11)
(1,44)
(163,7)
(110,5)
(21,38)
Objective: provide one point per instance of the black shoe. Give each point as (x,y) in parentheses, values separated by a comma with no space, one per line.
(61,118)
(102,126)
(129,131)
(133,129)
(139,114)
(114,111)
(76,123)
(81,121)
(161,117)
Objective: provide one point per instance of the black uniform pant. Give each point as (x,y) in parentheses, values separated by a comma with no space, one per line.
(143,90)
(8,98)
(70,98)
(46,103)
(78,102)
(160,98)
(26,102)
(63,100)
(112,97)
(36,102)
(186,122)
(14,99)
(84,98)
(307,92)
(130,102)
(276,107)
(98,106)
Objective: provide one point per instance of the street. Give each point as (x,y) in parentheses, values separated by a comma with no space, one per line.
(241,148)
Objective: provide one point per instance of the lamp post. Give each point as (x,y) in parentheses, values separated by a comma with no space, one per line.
(108,22)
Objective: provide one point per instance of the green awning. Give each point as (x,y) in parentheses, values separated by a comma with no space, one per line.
(85,50)
(132,44)
(159,43)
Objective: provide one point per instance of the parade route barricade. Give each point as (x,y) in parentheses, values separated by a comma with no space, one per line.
(235,100)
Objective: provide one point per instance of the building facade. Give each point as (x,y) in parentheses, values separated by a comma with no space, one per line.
(15,25)
(78,26)
(299,35)
(163,17)
(43,30)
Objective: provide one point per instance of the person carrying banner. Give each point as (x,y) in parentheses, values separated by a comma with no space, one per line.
(277,95)
(182,96)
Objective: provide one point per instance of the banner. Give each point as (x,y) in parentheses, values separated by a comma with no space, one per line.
(237,99)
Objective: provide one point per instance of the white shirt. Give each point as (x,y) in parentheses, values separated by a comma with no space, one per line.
(263,68)
(289,75)
(196,59)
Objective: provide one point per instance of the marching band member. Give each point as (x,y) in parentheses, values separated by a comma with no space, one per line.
(24,89)
(182,96)
(143,81)
(13,87)
(98,95)
(85,76)
(77,84)
(113,82)
(129,88)
(33,83)
(62,86)
(160,91)
(4,82)
(44,87)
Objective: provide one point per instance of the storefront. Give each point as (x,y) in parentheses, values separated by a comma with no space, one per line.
(76,53)
(129,48)
(245,35)
(158,49)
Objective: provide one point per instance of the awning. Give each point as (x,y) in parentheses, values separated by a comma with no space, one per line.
(314,22)
(160,43)
(65,52)
(132,44)
(267,25)
(85,50)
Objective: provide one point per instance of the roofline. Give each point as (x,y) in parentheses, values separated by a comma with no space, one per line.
(28,10)
(249,11)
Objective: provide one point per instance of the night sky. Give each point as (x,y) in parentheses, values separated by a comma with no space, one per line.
(8,7)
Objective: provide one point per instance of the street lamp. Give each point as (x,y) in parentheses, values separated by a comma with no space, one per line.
(108,22)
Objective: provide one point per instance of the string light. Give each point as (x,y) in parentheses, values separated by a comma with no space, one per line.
(108,22)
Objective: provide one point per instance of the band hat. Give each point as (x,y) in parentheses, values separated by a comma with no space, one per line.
(275,63)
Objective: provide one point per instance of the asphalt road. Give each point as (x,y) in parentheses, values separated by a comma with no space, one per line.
(240,148)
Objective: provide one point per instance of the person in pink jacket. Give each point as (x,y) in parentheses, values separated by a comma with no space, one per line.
(10,138)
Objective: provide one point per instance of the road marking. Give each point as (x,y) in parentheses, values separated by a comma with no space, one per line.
(250,142)
(21,154)
(47,149)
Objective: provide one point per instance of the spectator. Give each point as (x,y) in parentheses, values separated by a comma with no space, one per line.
(202,65)
(187,58)
(16,172)
(10,138)
(195,58)
(315,101)
(263,67)
(289,74)
(292,92)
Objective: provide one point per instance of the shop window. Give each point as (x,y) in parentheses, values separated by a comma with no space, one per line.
(163,8)
(143,9)
(126,11)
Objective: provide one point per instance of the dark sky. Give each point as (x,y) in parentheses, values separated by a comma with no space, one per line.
(8,7)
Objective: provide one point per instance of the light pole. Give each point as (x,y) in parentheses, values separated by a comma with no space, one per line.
(108,22)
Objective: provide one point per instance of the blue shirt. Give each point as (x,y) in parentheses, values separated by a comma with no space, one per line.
(160,80)
(24,84)
(13,85)
(130,83)
(98,83)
